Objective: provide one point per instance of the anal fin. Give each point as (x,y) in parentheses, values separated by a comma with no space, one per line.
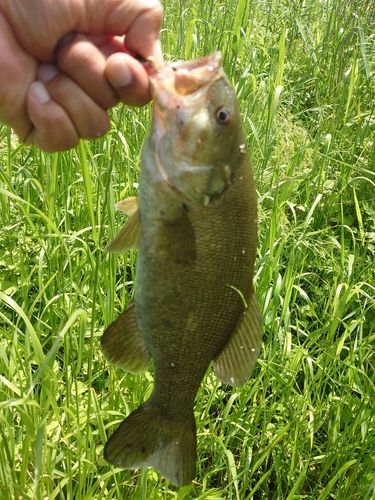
(123,344)
(236,361)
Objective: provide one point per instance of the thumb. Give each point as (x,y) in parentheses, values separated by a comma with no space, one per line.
(143,34)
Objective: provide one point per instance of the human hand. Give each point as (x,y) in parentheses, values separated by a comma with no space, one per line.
(64,64)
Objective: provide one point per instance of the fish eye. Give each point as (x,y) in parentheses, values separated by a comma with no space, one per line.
(223,116)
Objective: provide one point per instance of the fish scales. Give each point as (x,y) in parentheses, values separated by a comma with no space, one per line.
(194,299)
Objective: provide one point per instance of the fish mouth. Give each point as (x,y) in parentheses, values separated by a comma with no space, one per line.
(174,81)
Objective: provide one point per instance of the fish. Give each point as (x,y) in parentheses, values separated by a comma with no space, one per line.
(195,227)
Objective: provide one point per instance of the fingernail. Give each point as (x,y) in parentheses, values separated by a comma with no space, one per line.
(158,52)
(39,92)
(46,72)
(121,75)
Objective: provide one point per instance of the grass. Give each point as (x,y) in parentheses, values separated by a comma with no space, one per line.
(304,426)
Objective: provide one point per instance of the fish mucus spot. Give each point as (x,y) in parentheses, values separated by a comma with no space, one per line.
(242,148)
(243,251)
(172,364)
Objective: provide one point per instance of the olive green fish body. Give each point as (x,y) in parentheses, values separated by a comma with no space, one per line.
(189,272)
(194,299)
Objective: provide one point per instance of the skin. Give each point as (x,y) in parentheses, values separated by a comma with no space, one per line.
(64,63)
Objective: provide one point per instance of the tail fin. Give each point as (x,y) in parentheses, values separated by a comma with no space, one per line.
(146,439)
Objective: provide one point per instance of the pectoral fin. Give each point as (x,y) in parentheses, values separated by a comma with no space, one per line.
(123,344)
(237,360)
(129,205)
(129,235)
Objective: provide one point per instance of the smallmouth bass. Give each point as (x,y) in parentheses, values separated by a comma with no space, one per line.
(195,229)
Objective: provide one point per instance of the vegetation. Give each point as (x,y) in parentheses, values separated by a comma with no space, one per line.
(304,425)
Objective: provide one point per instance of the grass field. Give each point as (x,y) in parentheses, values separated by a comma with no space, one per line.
(303,427)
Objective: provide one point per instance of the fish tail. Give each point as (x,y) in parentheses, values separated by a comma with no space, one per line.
(147,439)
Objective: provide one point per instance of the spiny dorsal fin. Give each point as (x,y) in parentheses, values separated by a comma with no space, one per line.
(123,344)
(129,205)
(236,361)
(129,235)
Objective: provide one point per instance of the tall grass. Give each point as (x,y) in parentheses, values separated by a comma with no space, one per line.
(303,426)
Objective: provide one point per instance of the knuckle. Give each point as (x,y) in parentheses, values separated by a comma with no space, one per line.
(97,129)
(153,10)
(158,11)
(56,133)
(57,87)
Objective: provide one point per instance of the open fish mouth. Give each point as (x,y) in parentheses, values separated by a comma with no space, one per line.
(183,78)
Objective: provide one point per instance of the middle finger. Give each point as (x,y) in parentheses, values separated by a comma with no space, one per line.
(84,61)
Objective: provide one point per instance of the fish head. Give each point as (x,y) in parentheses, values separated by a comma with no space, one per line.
(196,134)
